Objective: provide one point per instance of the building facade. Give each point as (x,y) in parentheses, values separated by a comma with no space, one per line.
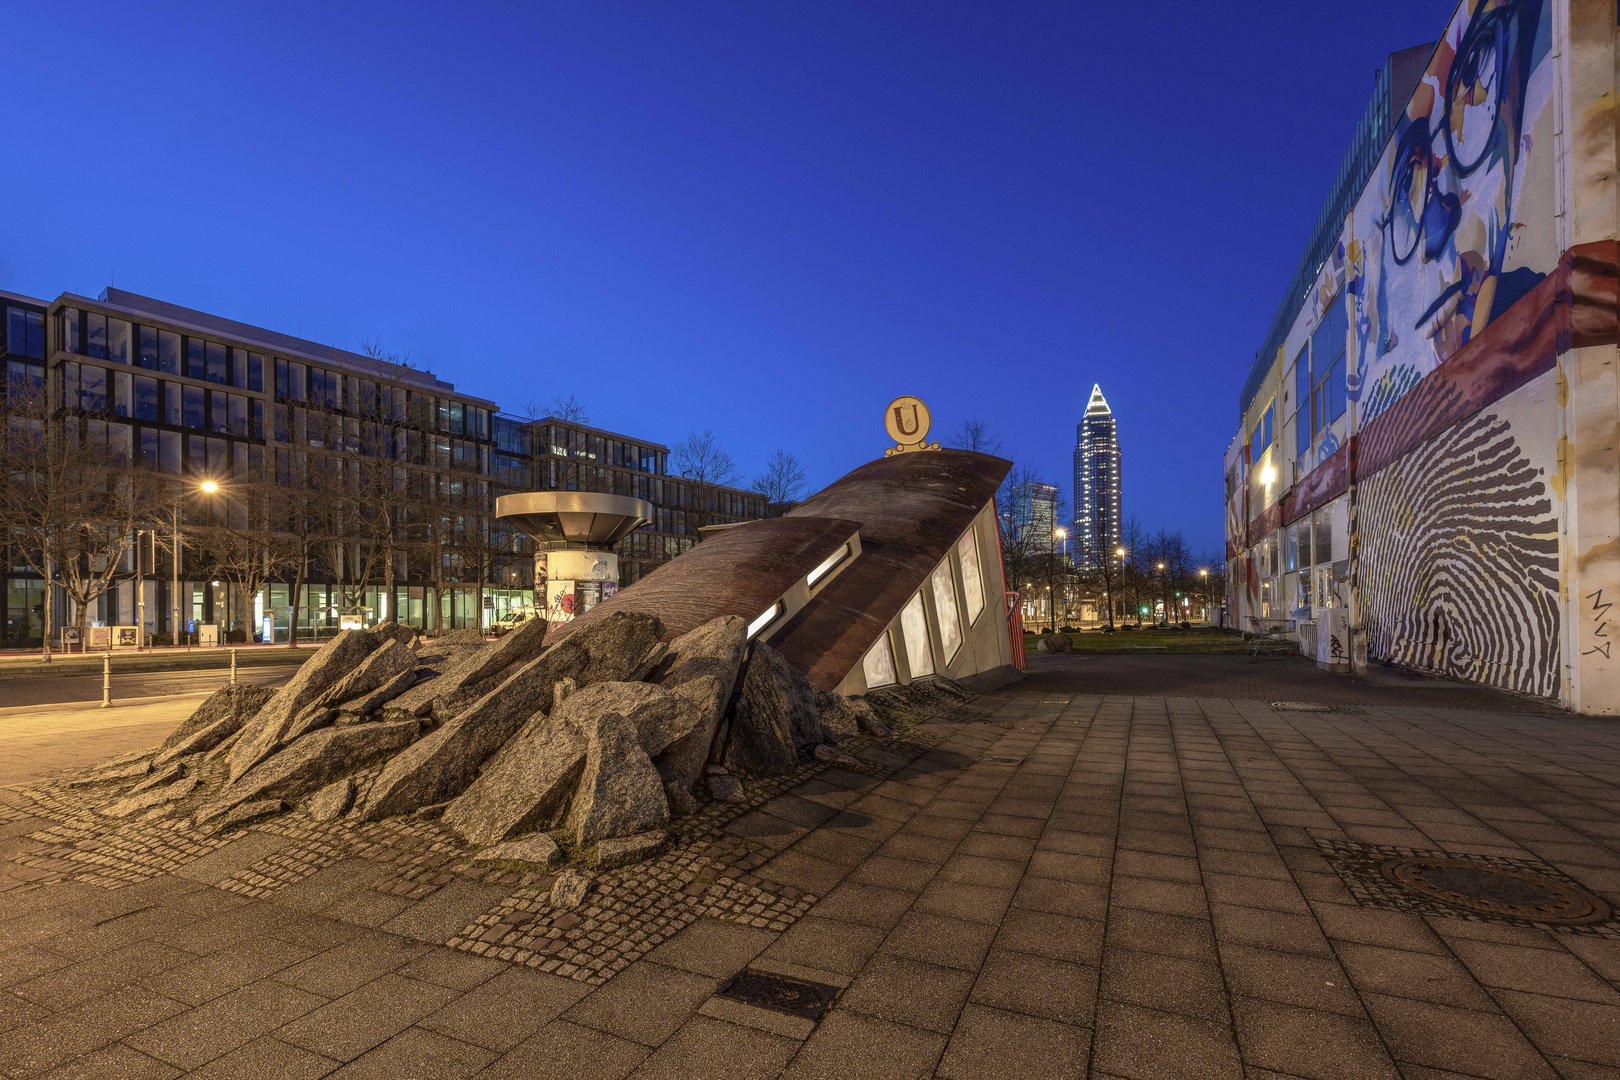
(1096,484)
(1425,470)
(198,398)
(1035,515)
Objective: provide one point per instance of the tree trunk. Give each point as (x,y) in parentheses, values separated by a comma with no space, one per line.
(297,597)
(45,641)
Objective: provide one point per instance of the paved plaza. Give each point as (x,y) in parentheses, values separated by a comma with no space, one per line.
(1044,882)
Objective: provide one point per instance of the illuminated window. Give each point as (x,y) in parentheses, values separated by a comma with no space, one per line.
(914,628)
(950,620)
(827,565)
(967,549)
(765,618)
(878,664)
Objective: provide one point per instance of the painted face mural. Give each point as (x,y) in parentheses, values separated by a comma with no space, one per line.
(1435,249)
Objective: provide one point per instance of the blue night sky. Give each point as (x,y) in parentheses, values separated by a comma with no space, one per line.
(768,219)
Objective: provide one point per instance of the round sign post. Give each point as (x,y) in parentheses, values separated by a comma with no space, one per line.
(908,420)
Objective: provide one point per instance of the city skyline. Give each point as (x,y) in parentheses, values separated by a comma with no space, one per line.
(624,218)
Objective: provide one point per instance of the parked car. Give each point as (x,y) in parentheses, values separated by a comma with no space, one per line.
(511,619)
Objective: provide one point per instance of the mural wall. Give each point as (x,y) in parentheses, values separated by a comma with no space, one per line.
(1458,562)
(1458,221)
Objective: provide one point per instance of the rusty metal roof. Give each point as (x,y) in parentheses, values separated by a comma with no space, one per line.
(909,509)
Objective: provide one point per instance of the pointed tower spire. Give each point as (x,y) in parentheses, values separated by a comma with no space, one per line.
(1096,483)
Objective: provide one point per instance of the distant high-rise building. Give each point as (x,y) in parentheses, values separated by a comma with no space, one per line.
(1096,484)
(1035,512)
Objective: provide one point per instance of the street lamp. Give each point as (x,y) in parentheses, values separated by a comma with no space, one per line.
(1203,572)
(1051,577)
(207,487)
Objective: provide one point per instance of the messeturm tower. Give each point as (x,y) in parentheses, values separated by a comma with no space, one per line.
(1096,484)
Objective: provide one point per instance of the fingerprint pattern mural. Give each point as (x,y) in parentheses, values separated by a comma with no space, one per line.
(1459,559)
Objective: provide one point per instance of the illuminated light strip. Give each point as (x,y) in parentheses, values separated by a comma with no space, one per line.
(827,566)
(765,619)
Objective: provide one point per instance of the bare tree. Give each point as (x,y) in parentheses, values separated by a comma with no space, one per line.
(975,435)
(700,459)
(71,498)
(782,479)
(569,410)
(1023,553)
(1134,564)
(250,547)
(301,503)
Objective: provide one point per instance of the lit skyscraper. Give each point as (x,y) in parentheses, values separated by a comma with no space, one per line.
(1096,484)
(1035,513)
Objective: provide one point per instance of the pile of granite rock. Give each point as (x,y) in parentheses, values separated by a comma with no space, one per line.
(599,738)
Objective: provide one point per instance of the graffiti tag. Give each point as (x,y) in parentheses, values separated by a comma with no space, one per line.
(1598,608)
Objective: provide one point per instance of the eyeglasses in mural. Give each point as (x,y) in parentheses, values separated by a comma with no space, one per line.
(1458,224)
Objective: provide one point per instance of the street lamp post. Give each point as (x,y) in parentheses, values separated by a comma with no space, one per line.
(1203,572)
(1051,575)
(1119,553)
(1165,596)
(207,487)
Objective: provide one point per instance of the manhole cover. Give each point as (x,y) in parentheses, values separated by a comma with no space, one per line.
(1481,888)
(1301,706)
(792,996)
(1516,893)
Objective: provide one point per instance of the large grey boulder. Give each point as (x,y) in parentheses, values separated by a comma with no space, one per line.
(527,782)
(314,761)
(220,716)
(537,849)
(267,731)
(775,714)
(841,717)
(619,852)
(569,890)
(332,801)
(459,638)
(526,785)
(443,764)
(384,665)
(393,631)
(356,709)
(467,665)
(709,658)
(521,645)
(619,793)
(148,799)
(661,716)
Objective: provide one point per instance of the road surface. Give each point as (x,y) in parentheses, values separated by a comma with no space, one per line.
(74,688)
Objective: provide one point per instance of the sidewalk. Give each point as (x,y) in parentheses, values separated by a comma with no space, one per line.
(42,740)
(1062,885)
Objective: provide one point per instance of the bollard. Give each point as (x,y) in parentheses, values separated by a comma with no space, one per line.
(106,681)
(233,667)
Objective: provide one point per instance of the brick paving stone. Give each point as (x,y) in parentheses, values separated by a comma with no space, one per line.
(966,904)
(201,1034)
(710,1048)
(646,1003)
(566,1049)
(712,947)
(828,944)
(909,992)
(266,1058)
(418,1054)
(1169,983)
(851,1044)
(1146,1044)
(349,1026)
(991,1044)
(505,1010)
